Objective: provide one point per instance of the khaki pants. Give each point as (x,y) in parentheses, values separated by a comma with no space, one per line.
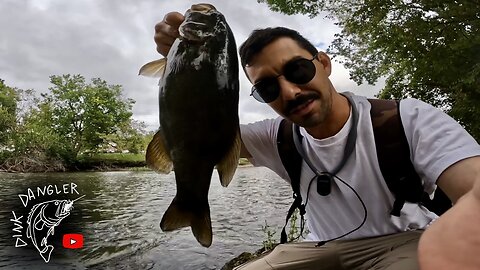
(392,252)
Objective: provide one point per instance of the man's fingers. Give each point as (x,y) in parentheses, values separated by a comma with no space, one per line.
(163,49)
(174,19)
(167,31)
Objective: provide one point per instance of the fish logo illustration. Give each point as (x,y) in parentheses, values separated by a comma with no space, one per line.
(42,220)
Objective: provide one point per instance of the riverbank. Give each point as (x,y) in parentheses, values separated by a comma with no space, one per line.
(243,258)
(100,162)
(109,162)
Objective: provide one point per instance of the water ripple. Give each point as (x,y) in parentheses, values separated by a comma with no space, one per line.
(121,212)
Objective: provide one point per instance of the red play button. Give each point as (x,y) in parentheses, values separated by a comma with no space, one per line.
(72,240)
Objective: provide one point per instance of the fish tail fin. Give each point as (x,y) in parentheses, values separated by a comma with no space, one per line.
(226,168)
(46,252)
(198,219)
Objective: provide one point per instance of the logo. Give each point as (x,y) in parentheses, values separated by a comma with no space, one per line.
(72,240)
(43,217)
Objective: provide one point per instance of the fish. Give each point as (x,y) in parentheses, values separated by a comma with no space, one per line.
(198,110)
(42,220)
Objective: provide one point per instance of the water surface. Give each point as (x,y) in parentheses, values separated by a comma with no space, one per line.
(120,215)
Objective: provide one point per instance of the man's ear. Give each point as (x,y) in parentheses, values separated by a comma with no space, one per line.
(324,59)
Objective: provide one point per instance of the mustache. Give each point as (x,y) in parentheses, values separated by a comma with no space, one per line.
(299,100)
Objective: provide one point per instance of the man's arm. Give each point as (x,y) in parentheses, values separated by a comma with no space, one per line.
(244,152)
(453,241)
(459,178)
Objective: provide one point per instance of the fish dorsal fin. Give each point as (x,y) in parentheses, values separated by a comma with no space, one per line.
(227,166)
(157,156)
(153,69)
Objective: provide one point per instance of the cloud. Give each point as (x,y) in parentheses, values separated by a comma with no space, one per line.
(111,40)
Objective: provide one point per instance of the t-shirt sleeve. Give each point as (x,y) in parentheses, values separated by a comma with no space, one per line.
(436,140)
(260,139)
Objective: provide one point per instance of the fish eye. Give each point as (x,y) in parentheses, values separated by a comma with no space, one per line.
(56,203)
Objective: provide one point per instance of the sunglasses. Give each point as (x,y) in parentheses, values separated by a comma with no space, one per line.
(297,71)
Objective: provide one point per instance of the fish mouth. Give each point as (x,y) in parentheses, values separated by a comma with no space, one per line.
(202,8)
(63,209)
(198,23)
(192,31)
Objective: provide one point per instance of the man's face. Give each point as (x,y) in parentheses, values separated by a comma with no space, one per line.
(304,104)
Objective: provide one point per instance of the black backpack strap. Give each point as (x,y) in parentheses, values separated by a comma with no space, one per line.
(393,154)
(292,161)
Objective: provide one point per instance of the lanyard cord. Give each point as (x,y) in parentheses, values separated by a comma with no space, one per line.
(302,220)
(321,243)
(349,147)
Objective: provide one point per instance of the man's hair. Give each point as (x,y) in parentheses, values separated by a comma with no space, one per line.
(260,38)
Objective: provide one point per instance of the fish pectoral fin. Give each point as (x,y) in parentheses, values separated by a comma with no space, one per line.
(157,156)
(154,69)
(198,219)
(227,166)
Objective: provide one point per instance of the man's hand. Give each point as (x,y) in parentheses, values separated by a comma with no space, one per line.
(166,31)
(453,241)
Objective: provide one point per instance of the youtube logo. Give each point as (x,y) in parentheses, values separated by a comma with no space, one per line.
(72,240)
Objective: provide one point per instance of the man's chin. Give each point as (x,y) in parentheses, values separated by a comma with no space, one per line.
(307,121)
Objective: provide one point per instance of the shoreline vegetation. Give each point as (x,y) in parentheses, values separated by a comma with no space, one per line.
(100,162)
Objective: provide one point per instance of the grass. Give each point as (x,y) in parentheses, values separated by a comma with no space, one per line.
(116,157)
(114,161)
(109,161)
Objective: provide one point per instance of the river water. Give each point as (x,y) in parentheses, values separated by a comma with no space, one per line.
(119,219)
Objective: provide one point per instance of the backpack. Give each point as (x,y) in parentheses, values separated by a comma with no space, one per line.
(393,154)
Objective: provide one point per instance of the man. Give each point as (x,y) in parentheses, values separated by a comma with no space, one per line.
(293,78)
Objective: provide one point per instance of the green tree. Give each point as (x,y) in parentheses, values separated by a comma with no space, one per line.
(83,114)
(37,146)
(130,136)
(9,98)
(426,49)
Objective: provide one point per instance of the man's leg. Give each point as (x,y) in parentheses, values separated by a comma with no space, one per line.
(389,252)
(303,255)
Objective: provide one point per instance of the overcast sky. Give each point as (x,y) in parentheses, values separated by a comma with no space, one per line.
(112,39)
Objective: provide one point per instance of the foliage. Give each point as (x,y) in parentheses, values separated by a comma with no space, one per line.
(293,234)
(126,157)
(47,133)
(109,161)
(8,113)
(269,242)
(290,7)
(83,114)
(36,146)
(129,137)
(426,49)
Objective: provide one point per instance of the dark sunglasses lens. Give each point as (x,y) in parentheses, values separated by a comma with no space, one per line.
(299,71)
(266,90)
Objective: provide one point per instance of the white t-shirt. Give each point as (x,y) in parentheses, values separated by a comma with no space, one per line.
(436,142)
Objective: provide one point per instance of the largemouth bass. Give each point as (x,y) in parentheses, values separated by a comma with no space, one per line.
(199,125)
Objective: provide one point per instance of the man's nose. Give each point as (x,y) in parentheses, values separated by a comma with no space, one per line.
(288,90)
